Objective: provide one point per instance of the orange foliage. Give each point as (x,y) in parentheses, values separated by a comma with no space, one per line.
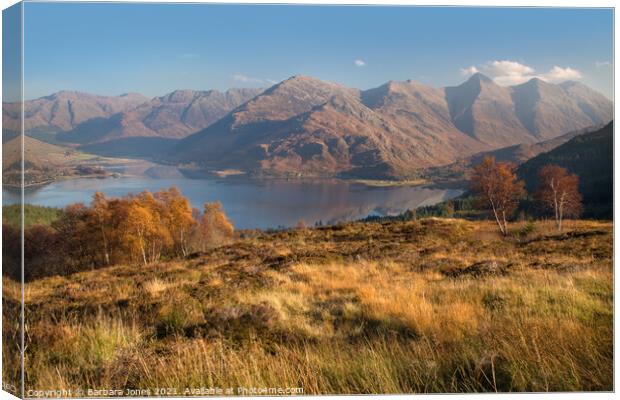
(136,228)
(176,214)
(497,189)
(558,191)
(214,225)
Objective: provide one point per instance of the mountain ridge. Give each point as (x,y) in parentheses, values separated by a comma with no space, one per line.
(304,126)
(65,109)
(392,130)
(174,115)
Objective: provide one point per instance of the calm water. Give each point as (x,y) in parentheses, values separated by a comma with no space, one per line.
(252,204)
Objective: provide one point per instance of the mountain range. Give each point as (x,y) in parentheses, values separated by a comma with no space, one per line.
(304,126)
(175,115)
(65,110)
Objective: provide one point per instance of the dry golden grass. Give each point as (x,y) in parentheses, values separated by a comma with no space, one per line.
(156,286)
(426,306)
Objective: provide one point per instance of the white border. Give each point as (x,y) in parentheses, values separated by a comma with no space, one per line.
(474,3)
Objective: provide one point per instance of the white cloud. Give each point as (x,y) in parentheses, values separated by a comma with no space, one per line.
(469,70)
(249,79)
(508,72)
(559,74)
(600,64)
(507,68)
(359,63)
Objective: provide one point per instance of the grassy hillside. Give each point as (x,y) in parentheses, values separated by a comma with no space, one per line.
(591,157)
(422,306)
(39,153)
(32,214)
(45,162)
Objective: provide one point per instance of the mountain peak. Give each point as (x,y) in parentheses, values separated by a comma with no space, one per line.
(534,83)
(406,123)
(479,77)
(307,81)
(476,84)
(75,95)
(302,78)
(179,95)
(304,88)
(413,82)
(402,86)
(392,86)
(64,94)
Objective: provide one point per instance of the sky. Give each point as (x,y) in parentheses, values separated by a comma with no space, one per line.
(110,49)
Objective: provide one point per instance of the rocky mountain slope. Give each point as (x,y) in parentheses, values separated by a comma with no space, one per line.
(526,113)
(485,111)
(174,115)
(308,127)
(304,126)
(65,110)
(545,109)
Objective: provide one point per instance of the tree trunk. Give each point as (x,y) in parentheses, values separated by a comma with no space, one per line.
(501,228)
(183,246)
(561,204)
(143,255)
(106,254)
(556,206)
(143,250)
(505,223)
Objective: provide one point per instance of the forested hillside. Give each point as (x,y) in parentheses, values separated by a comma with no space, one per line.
(590,156)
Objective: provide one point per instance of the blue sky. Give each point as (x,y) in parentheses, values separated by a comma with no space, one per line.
(155,48)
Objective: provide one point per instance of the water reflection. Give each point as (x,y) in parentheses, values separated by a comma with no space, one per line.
(253,204)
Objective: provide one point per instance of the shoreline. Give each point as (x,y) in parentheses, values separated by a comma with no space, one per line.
(385,183)
(60,179)
(369,183)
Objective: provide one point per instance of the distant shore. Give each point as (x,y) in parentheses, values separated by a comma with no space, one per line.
(391,183)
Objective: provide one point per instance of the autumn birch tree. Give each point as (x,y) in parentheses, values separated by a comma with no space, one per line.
(558,192)
(214,225)
(144,231)
(497,189)
(177,215)
(142,227)
(138,223)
